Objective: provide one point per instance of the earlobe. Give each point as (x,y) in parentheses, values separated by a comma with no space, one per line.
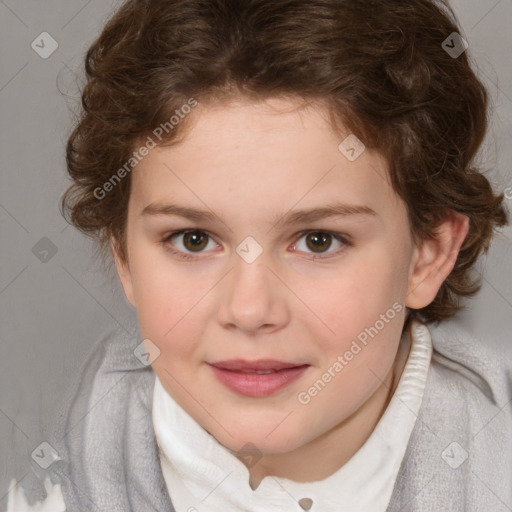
(434,259)
(123,271)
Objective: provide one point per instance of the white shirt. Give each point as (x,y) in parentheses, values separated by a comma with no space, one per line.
(203,476)
(54,501)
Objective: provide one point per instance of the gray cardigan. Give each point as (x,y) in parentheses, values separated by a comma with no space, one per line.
(459,457)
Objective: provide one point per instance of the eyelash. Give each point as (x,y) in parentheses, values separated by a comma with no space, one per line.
(187,256)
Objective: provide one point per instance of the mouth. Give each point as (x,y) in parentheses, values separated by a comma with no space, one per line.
(257,378)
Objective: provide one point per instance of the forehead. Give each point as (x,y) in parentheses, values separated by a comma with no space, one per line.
(265,156)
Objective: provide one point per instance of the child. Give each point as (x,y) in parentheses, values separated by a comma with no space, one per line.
(302,351)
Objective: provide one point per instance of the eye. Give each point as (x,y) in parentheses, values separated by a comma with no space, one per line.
(193,240)
(319,242)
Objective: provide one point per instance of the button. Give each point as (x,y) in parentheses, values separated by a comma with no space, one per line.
(306,503)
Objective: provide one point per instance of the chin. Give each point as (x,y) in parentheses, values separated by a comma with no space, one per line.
(262,442)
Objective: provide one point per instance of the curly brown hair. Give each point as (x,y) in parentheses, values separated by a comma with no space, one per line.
(379,66)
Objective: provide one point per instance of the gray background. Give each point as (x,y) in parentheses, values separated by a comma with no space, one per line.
(53,312)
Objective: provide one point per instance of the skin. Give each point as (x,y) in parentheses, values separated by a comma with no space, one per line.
(251,163)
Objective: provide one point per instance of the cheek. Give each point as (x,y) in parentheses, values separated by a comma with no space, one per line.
(364,311)
(172,308)
(162,297)
(356,296)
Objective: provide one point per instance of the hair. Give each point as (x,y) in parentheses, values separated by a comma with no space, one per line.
(377,66)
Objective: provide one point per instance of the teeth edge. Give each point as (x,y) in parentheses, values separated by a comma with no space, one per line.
(259,372)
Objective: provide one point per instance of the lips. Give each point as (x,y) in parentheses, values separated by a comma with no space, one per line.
(257,378)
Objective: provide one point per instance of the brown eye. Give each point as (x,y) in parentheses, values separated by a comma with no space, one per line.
(185,242)
(319,242)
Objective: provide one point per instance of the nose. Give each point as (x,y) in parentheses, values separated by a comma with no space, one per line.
(253,299)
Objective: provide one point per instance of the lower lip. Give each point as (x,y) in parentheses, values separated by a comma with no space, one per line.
(254,384)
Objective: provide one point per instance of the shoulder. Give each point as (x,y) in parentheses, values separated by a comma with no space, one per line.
(456,458)
(470,367)
(110,379)
(467,398)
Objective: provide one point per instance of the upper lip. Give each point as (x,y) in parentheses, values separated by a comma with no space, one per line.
(260,364)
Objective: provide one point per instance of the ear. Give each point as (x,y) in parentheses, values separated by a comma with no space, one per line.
(434,259)
(123,271)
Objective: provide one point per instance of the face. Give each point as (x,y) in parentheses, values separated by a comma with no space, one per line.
(253,280)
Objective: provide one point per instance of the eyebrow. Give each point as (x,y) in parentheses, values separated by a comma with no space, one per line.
(286,219)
